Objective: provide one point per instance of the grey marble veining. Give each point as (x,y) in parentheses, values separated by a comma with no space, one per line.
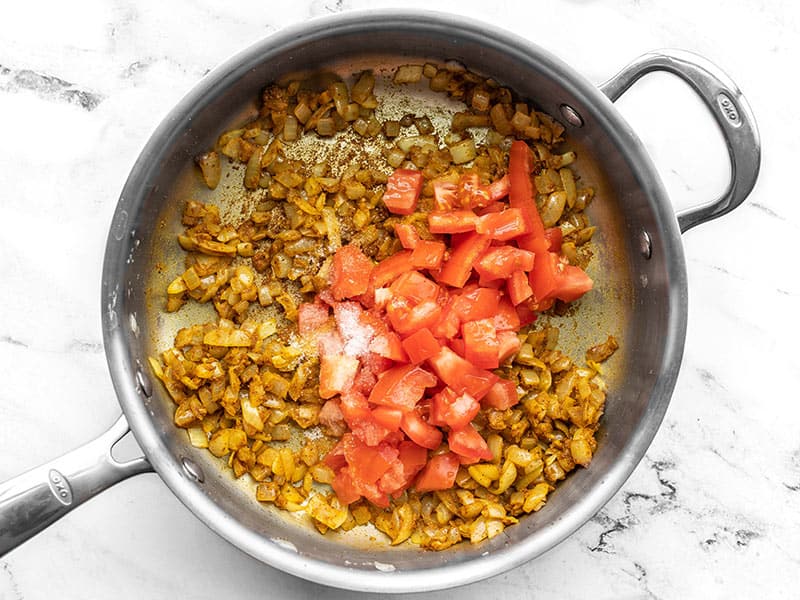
(713,511)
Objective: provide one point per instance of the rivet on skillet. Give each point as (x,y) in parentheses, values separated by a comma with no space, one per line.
(645,245)
(571,115)
(143,383)
(192,470)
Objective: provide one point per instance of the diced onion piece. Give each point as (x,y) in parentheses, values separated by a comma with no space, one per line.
(464,151)
(408,74)
(228,338)
(210,168)
(197,437)
(362,89)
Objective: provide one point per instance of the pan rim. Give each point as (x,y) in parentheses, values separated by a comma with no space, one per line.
(122,364)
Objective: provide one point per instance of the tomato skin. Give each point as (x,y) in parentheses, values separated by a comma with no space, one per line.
(500,262)
(461,375)
(391,268)
(458,268)
(402,191)
(428,254)
(311,316)
(419,431)
(467,442)
(452,221)
(401,387)
(407,234)
(502,226)
(481,346)
(439,473)
(421,345)
(502,395)
(519,289)
(351,272)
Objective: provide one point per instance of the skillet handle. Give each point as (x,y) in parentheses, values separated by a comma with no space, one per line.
(36,499)
(730,110)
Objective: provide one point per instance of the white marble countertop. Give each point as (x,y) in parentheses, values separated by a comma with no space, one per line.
(713,511)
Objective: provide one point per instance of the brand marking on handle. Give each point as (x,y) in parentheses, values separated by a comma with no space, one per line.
(60,487)
(728,108)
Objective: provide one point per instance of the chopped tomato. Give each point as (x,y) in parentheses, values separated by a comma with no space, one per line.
(360,419)
(402,191)
(421,345)
(500,262)
(525,314)
(543,276)
(454,410)
(448,324)
(572,283)
(476,303)
(554,236)
(370,462)
(502,395)
(481,347)
(521,196)
(344,487)
(336,374)
(388,345)
(461,375)
(311,316)
(458,268)
(331,417)
(419,431)
(401,387)
(445,195)
(410,460)
(407,234)
(452,221)
(408,319)
(508,345)
(391,268)
(471,193)
(351,272)
(388,417)
(497,190)
(518,287)
(467,442)
(428,255)
(415,286)
(439,473)
(502,226)
(506,317)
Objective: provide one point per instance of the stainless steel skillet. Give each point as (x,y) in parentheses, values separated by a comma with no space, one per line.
(642,296)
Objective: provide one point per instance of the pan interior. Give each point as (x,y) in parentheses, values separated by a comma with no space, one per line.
(636,298)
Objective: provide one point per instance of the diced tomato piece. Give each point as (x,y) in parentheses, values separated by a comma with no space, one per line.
(506,317)
(402,387)
(458,268)
(500,262)
(408,319)
(503,395)
(457,344)
(481,347)
(421,345)
(391,268)
(388,417)
(477,303)
(336,374)
(344,487)
(428,254)
(572,283)
(407,234)
(471,193)
(454,410)
(467,442)
(554,236)
(335,457)
(354,327)
(351,272)
(415,286)
(439,473)
(452,221)
(419,431)
(359,418)
(508,345)
(402,191)
(461,375)
(448,325)
(521,196)
(410,460)
(445,195)
(311,316)
(525,314)
(389,345)
(518,287)
(498,189)
(494,207)
(543,276)
(502,226)
(370,462)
